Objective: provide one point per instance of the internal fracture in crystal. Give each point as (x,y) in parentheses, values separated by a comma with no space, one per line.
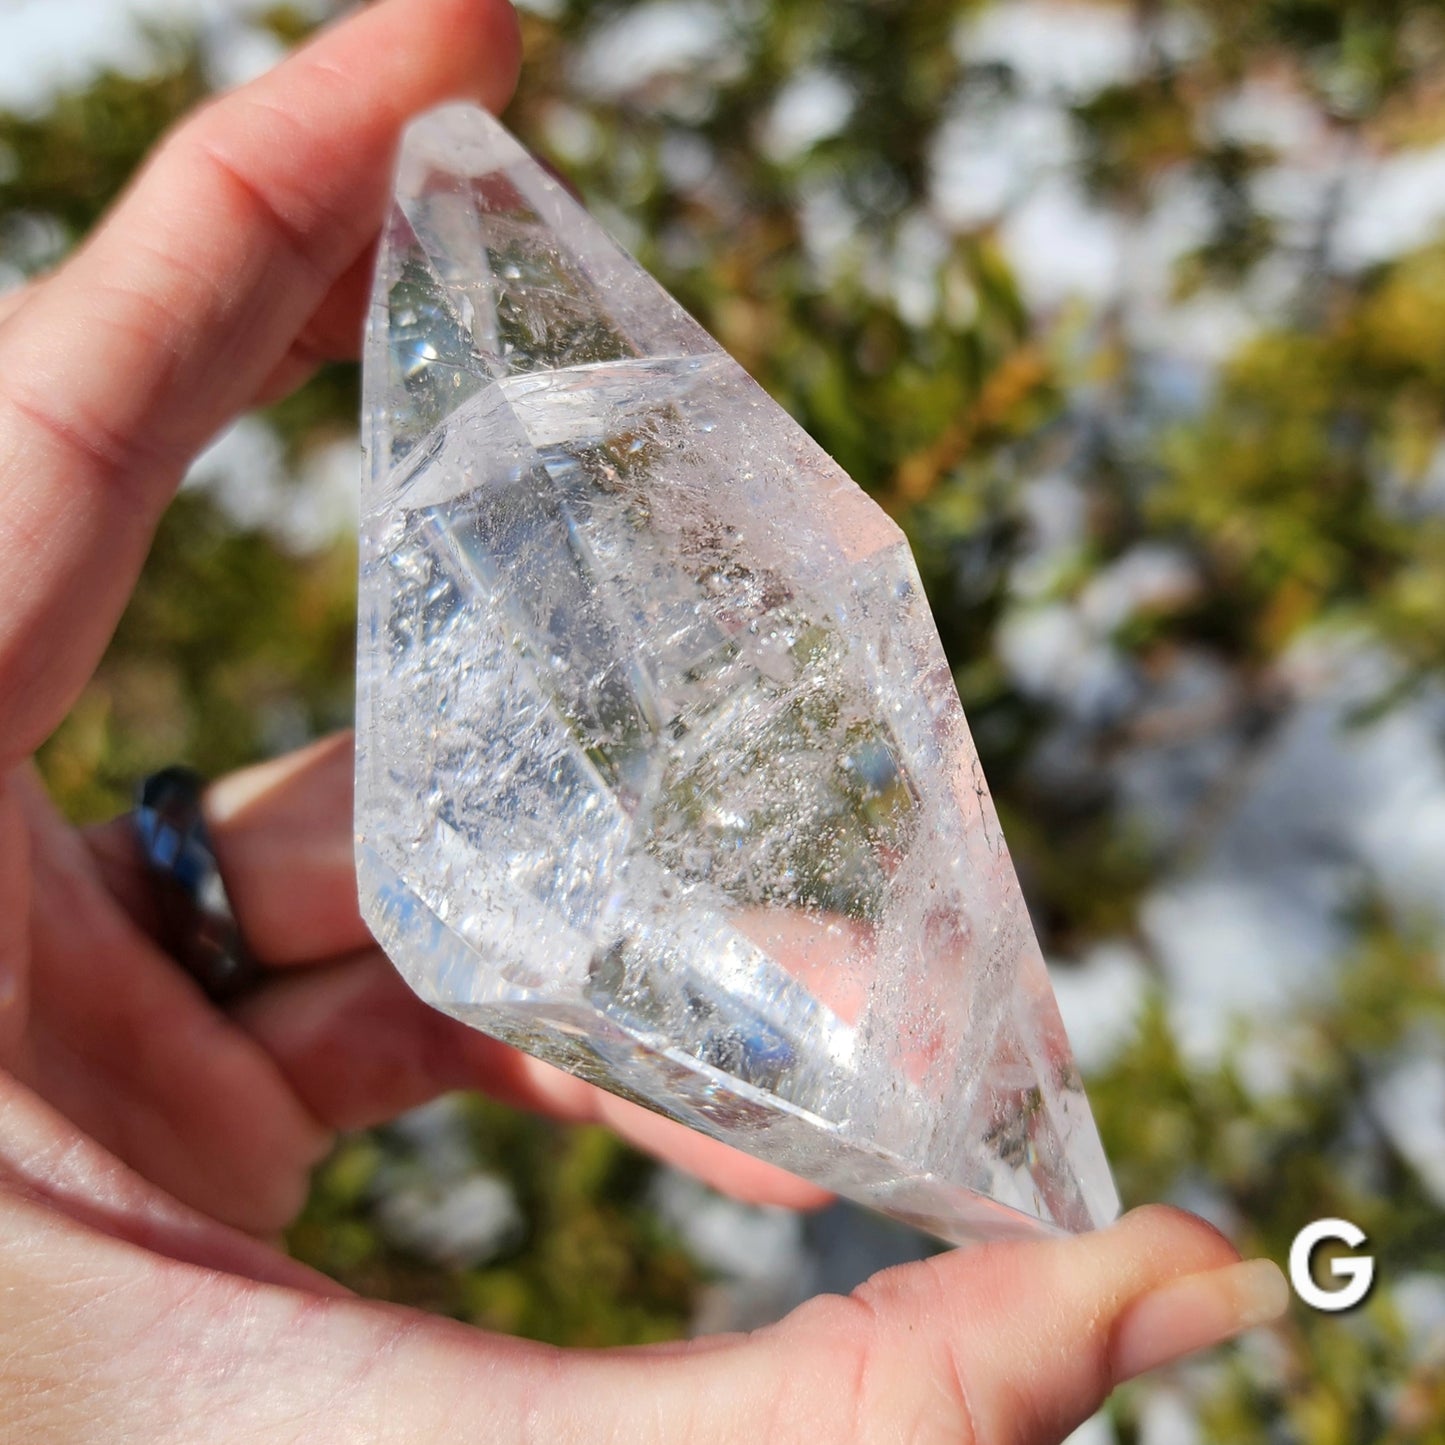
(662,775)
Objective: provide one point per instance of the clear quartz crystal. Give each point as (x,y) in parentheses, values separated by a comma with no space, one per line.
(661,773)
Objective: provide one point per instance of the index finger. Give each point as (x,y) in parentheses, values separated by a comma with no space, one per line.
(184,305)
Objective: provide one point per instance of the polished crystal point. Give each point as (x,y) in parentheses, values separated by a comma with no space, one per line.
(661,774)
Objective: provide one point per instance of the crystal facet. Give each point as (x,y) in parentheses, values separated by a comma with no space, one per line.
(662,775)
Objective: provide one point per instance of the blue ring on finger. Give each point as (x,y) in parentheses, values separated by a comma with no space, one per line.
(197,924)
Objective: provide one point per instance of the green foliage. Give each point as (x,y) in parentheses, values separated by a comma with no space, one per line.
(230,648)
(593,1267)
(1296,487)
(69,165)
(287,22)
(1277,1160)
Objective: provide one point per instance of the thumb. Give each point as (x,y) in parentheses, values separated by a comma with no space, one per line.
(1008,1344)
(1016,1344)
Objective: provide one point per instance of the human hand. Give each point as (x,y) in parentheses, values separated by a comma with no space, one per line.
(149,1140)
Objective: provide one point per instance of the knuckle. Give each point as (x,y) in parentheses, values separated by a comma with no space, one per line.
(249,144)
(920,1343)
(888,1382)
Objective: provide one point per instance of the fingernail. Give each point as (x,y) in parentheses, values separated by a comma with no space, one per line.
(1195,1312)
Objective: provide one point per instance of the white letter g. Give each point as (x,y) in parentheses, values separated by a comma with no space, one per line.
(1358,1272)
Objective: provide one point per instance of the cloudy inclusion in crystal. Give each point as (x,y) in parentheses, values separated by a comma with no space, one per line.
(662,775)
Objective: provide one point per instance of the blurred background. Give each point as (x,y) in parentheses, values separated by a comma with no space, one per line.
(1134,317)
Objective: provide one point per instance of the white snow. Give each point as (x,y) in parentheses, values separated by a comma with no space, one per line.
(1409,1103)
(1100,999)
(647,42)
(986,159)
(1393,204)
(244,472)
(1063,246)
(51,45)
(1069,50)
(1096,1430)
(812,106)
